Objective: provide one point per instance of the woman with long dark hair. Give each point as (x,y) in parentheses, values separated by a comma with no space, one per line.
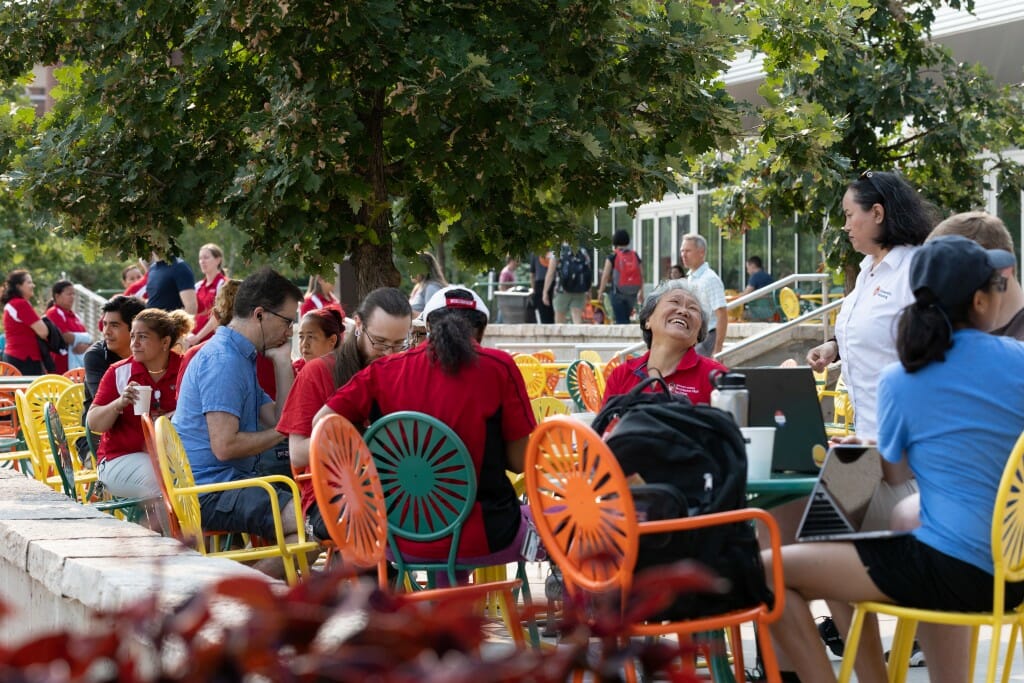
(22,325)
(475,390)
(382,324)
(950,411)
(321,331)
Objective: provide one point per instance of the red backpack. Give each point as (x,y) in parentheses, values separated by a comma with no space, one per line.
(627,279)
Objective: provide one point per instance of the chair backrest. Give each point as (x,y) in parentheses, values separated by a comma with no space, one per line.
(46,389)
(428,478)
(149,434)
(1008,524)
(77,375)
(546,406)
(40,463)
(591,386)
(62,457)
(71,405)
(592,357)
(789,302)
(582,506)
(533,375)
(572,382)
(6,369)
(176,473)
(348,492)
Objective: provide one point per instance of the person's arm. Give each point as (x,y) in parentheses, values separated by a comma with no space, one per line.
(284,377)
(188,300)
(101,418)
(549,278)
(298,450)
(228,443)
(722,316)
(515,453)
(208,328)
(748,289)
(606,277)
(39,327)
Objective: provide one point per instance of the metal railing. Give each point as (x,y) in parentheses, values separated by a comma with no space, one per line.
(769,291)
(88,307)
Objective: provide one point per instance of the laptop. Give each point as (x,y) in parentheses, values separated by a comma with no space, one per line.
(786,398)
(851,500)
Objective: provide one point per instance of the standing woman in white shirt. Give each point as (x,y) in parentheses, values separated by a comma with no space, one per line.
(886,220)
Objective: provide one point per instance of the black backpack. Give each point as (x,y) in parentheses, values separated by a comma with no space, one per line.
(574,272)
(693,461)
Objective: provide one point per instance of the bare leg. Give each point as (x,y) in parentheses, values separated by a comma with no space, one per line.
(869,652)
(823,570)
(946,651)
(787,516)
(274,566)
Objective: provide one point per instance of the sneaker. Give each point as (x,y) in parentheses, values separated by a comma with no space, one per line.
(830,634)
(916,656)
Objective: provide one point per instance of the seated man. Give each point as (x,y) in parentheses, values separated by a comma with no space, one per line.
(225,419)
(118,314)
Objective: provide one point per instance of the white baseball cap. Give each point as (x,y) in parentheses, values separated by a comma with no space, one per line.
(455,296)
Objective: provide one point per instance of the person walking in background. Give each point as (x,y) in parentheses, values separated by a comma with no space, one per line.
(211,264)
(538,274)
(61,313)
(170,285)
(23,328)
(710,291)
(570,275)
(507,276)
(622,270)
(428,280)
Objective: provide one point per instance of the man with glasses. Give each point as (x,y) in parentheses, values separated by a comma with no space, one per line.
(225,420)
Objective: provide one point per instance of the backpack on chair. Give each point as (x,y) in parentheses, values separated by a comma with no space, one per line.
(692,460)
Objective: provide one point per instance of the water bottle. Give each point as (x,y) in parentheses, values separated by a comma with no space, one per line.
(730,394)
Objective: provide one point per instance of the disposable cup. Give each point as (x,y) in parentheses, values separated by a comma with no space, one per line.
(143,401)
(760,444)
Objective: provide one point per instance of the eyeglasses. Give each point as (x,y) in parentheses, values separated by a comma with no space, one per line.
(998,283)
(382,345)
(290,321)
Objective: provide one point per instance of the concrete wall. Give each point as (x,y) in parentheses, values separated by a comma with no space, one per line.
(61,562)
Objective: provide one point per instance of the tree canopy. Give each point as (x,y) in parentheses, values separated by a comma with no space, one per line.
(876,94)
(330,129)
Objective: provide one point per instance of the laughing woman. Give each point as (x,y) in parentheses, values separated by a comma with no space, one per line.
(672,324)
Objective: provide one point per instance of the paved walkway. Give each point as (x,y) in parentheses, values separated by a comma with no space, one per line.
(537,572)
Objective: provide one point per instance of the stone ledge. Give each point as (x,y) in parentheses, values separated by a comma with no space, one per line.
(61,562)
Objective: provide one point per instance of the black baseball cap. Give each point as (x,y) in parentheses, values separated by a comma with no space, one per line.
(953,268)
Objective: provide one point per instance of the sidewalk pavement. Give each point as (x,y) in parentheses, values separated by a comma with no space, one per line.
(537,572)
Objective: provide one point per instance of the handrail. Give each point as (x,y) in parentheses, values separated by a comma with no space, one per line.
(762,292)
(780,328)
(89,308)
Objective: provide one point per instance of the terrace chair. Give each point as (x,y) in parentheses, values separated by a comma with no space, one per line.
(546,406)
(572,383)
(533,375)
(1008,561)
(429,482)
(183,493)
(76,375)
(584,512)
(130,509)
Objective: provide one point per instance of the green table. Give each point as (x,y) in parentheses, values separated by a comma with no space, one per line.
(780,489)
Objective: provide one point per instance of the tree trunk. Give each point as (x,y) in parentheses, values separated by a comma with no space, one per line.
(850,272)
(374,263)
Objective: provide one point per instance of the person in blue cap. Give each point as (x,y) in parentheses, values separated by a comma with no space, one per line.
(973,383)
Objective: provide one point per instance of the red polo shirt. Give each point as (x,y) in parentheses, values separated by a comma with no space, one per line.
(21,338)
(205,294)
(485,403)
(690,377)
(66,321)
(126,434)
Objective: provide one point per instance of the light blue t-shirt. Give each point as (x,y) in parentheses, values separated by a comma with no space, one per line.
(220,378)
(956,421)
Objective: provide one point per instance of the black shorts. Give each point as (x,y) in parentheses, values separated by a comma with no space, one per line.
(243,510)
(316,530)
(914,574)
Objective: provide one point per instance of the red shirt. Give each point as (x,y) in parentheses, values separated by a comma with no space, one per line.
(264,370)
(21,338)
(485,403)
(205,294)
(125,436)
(313,302)
(66,321)
(690,377)
(312,387)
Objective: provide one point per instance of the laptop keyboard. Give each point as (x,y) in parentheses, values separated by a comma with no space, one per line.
(823,519)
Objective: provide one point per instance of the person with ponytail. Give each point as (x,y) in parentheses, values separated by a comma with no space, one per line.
(949,412)
(22,324)
(479,393)
(61,312)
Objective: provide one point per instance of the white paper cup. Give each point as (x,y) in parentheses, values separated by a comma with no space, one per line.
(143,402)
(760,444)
